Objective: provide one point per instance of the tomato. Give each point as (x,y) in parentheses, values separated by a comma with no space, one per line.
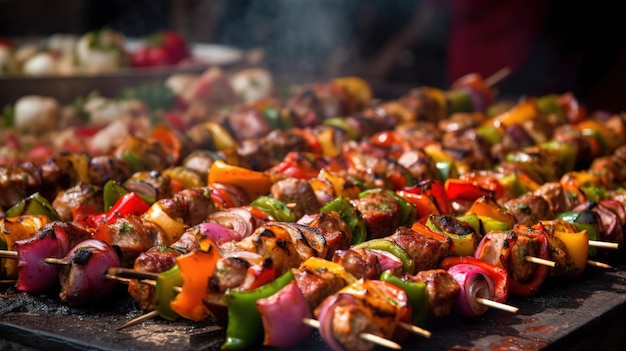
(162,49)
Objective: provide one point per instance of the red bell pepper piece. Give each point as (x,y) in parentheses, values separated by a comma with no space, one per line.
(458,189)
(261,274)
(128,204)
(436,191)
(423,204)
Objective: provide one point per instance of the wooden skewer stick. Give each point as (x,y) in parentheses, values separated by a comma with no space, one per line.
(603,244)
(8,281)
(58,261)
(378,340)
(137,320)
(498,76)
(131,273)
(540,261)
(415,329)
(8,254)
(599,264)
(498,305)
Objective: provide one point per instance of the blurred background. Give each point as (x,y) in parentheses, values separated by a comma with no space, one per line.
(550,45)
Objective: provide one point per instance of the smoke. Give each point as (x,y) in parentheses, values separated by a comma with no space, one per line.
(302,39)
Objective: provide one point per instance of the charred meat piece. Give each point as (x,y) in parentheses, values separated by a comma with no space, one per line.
(337,235)
(317,284)
(247,123)
(556,197)
(81,196)
(17,182)
(230,272)
(419,164)
(425,251)
(192,206)
(274,241)
(131,235)
(528,209)
(150,184)
(104,168)
(442,290)
(380,212)
(268,151)
(155,260)
(298,192)
(361,263)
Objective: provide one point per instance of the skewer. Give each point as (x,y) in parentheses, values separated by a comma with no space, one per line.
(8,281)
(58,261)
(8,254)
(599,264)
(540,261)
(603,244)
(131,273)
(498,305)
(498,76)
(378,340)
(415,329)
(137,320)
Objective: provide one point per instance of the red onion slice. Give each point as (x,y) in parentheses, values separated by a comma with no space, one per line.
(325,314)
(282,315)
(474,282)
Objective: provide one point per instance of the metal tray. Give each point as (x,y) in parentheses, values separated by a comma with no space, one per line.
(67,88)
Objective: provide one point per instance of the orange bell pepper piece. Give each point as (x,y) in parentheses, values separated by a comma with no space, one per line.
(252,182)
(196,268)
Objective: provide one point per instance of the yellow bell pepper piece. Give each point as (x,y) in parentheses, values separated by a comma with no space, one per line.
(13,229)
(577,245)
(172,228)
(315,263)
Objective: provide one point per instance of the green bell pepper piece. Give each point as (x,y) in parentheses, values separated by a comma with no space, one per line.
(565,154)
(245,327)
(348,214)
(416,293)
(275,208)
(134,161)
(471,219)
(34,204)
(594,193)
(490,224)
(549,104)
(459,101)
(341,123)
(490,133)
(408,265)
(165,293)
(111,193)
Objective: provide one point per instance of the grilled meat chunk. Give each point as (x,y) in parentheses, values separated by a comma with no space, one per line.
(380,212)
(425,251)
(298,192)
(360,263)
(317,284)
(81,195)
(442,290)
(529,209)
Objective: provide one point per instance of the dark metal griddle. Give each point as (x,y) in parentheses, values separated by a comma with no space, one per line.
(582,314)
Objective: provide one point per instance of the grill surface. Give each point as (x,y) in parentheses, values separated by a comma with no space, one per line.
(586,313)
